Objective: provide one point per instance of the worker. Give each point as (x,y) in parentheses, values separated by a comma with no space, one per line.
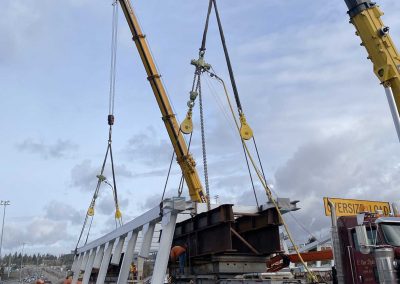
(133,271)
(68,280)
(179,252)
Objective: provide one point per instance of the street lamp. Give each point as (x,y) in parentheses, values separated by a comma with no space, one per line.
(3,203)
(22,258)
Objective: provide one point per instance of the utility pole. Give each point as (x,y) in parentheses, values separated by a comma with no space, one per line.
(3,203)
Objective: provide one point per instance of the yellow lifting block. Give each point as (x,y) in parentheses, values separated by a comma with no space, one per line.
(118,213)
(90,211)
(187,124)
(245,131)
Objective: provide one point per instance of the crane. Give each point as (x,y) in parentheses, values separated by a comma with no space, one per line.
(184,158)
(365,15)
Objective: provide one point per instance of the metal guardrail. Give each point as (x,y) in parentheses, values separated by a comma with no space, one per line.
(108,250)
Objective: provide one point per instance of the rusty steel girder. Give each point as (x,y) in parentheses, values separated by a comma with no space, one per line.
(218,232)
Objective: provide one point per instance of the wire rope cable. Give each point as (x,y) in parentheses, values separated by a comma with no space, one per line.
(203,41)
(168,174)
(181,182)
(260,174)
(258,157)
(110,118)
(250,175)
(213,75)
(114,45)
(268,190)
(302,226)
(227,59)
(221,106)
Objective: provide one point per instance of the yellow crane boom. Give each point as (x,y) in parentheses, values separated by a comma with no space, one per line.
(366,17)
(184,158)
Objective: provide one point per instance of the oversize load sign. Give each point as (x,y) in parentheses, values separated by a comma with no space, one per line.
(348,207)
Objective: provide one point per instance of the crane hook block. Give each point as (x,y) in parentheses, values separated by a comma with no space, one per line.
(110,119)
(245,131)
(187,124)
(90,211)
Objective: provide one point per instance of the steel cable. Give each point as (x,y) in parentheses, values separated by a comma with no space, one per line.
(227,59)
(203,42)
(267,188)
(114,45)
(114,36)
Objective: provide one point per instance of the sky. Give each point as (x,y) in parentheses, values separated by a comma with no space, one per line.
(320,117)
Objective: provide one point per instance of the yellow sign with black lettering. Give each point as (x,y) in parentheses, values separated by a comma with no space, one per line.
(349,207)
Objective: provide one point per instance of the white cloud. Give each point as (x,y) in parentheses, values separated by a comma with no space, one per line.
(84,175)
(39,232)
(145,147)
(106,204)
(60,211)
(350,164)
(60,149)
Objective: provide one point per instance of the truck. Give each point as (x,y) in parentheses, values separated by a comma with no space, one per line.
(366,247)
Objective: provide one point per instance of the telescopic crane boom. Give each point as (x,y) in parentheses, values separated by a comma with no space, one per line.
(184,158)
(365,16)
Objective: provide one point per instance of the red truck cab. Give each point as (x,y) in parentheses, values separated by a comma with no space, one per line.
(375,259)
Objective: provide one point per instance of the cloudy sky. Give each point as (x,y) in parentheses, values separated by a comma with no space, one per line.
(320,117)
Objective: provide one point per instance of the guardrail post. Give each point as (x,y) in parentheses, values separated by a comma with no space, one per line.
(160,267)
(116,257)
(99,257)
(89,266)
(128,257)
(148,232)
(105,263)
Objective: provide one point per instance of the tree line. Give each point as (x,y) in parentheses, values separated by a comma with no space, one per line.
(47,259)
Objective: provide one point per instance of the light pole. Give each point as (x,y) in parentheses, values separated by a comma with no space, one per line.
(216,198)
(22,258)
(3,203)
